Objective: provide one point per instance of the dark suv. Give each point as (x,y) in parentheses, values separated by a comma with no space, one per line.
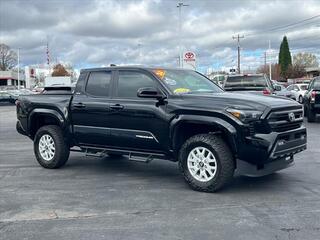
(249,83)
(161,113)
(311,100)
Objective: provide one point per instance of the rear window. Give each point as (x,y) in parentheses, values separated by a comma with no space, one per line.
(256,82)
(99,84)
(303,87)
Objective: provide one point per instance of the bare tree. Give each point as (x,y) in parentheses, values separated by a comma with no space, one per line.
(8,58)
(305,60)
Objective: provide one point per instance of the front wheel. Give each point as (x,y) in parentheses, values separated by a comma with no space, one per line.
(300,99)
(50,148)
(206,162)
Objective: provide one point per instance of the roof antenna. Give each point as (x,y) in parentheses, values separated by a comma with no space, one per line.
(112,65)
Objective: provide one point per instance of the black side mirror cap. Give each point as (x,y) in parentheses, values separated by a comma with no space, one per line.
(149,92)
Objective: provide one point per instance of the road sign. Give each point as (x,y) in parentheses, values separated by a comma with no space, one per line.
(189,60)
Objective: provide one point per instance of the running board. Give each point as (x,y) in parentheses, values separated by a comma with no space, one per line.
(136,156)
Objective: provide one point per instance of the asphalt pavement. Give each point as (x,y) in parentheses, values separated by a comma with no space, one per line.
(113,198)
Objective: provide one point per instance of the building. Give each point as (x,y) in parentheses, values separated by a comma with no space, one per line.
(10,78)
(312,72)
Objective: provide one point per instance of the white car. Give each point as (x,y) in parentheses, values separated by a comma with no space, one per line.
(298,90)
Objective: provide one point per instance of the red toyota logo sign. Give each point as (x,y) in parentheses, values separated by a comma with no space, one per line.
(189,55)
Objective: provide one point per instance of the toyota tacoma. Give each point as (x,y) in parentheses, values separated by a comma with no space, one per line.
(162,113)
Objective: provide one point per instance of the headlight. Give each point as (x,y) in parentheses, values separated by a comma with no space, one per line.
(246,115)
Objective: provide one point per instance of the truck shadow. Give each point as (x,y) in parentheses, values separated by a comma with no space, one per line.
(166,172)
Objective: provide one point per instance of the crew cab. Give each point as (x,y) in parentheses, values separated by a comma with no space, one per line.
(162,113)
(311,100)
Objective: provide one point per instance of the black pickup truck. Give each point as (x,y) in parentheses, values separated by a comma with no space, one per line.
(161,113)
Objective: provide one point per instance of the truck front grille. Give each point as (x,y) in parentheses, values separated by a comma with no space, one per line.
(285,119)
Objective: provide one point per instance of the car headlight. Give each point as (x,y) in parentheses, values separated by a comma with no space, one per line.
(245,115)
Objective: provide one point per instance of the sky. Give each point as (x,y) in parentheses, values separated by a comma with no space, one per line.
(94,33)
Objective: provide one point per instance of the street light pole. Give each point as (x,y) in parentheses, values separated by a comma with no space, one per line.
(270,70)
(18,68)
(180,5)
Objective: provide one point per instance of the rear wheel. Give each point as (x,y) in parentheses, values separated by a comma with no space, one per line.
(206,162)
(50,148)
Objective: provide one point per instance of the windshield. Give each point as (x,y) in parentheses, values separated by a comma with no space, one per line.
(186,82)
(256,82)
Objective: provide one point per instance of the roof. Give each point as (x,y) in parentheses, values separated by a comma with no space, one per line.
(132,67)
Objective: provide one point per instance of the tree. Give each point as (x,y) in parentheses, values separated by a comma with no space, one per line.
(305,60)
(275,71)
(59,70)
(8,58)
(296,71)
(284,58)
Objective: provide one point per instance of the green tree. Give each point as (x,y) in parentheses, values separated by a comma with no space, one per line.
(284,58)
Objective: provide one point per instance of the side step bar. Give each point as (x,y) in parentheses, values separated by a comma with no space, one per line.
(136,156)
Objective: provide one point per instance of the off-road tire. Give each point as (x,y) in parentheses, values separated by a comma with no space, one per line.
(62,151)
(223,155)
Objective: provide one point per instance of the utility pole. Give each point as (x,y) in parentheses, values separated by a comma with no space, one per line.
(180,5)
(18,68)
(238,41)
(270,72)
(265,61)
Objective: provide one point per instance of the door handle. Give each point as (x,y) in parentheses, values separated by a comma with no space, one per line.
(79,105)
(116,107)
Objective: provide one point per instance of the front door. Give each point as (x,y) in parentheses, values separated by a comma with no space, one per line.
(137,123)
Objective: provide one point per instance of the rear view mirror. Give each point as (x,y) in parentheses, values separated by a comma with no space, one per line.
(149,92)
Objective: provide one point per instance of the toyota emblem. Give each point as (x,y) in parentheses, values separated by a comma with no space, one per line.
(292,117)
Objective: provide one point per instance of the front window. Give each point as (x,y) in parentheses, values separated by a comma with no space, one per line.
(186,82)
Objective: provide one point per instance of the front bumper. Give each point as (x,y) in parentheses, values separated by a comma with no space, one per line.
(20,129)
(266,153)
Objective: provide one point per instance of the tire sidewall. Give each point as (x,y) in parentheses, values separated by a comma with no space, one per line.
(184,164)
(55,161)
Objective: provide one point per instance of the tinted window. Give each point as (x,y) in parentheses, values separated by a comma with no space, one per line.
(256,82)
(99,84)
(129,82)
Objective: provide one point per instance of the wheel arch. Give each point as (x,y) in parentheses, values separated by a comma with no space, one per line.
(186,126)
(41,117)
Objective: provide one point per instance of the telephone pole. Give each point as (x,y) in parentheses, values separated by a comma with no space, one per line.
(238,37)
(180,5)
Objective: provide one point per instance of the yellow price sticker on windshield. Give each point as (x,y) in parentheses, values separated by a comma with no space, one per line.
(160,73)
(181,90)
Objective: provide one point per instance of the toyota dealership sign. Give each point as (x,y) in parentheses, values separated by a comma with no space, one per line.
(189,60)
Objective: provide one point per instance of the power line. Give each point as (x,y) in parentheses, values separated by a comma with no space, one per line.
(284,26)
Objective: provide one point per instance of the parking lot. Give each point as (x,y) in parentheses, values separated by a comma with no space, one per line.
(105,198)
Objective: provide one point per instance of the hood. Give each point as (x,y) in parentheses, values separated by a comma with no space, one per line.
(248,101)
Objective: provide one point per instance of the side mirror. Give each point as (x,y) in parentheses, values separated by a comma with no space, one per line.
(277,88)
(149,92)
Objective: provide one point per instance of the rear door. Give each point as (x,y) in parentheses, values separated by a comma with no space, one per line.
(90,109)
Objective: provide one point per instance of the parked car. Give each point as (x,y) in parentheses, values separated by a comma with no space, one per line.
(161,113)
(5,97)
(249,83)
(312,100)
(280,90)
(298,90)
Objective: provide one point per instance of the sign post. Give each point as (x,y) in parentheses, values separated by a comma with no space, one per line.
(189,60)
